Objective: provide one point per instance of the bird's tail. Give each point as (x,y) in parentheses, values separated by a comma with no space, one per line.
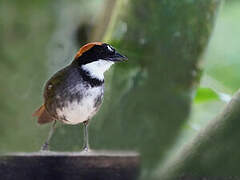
(43,115)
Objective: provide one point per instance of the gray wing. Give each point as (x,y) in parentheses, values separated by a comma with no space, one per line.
(55,90)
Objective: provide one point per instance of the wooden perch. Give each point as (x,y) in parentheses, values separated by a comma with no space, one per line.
(70,166)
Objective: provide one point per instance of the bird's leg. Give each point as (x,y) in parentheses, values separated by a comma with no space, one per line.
(85,136)
(46,144)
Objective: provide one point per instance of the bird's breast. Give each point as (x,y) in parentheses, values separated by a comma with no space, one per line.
(81,104)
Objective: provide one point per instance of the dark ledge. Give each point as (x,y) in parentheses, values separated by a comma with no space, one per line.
(94,165)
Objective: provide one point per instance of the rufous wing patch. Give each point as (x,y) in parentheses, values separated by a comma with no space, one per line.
(39,111)
(86,47)
(43,115)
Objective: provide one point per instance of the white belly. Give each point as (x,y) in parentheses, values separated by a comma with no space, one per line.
(77,112)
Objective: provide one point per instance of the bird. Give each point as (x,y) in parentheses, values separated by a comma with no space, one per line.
(74,94)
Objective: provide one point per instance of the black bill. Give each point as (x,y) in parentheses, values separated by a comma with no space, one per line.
(117,57)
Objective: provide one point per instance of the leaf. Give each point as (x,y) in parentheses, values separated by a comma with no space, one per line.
(208,94)
(205,94)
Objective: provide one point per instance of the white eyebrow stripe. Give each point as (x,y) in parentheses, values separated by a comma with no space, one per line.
(109,48)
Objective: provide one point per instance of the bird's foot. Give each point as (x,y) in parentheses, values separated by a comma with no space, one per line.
(45,147)
(85,149)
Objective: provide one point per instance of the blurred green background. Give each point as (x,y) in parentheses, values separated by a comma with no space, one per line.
(221,77)
(221,65)
(39,37)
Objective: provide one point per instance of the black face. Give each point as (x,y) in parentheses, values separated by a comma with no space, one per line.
(103,52)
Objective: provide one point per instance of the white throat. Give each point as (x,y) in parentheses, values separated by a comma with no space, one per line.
(96,69)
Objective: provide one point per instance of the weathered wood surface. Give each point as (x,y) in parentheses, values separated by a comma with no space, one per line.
(95,165)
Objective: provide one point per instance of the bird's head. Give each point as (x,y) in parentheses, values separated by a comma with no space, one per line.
(97,57)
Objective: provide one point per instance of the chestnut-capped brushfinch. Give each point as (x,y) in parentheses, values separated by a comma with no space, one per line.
(74,94)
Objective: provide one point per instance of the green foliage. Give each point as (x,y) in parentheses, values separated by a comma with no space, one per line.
(205,94)
(208,94)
